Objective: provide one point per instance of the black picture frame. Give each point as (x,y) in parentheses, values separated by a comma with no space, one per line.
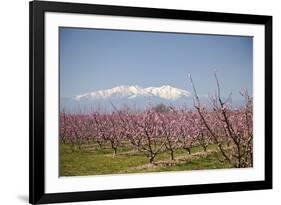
(37,194)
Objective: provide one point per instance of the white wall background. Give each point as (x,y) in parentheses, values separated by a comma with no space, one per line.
(14,100)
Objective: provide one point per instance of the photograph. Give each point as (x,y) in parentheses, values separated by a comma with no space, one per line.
(132,102)
(148,101)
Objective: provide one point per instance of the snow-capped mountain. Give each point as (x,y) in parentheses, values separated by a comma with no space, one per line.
(165,92)
(134,97)
(130,96)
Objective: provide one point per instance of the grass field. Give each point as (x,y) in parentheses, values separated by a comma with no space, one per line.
(90,160)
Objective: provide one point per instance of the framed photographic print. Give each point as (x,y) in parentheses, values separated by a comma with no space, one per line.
(140,102)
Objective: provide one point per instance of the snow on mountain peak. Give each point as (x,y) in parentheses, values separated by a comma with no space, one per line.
(166,92)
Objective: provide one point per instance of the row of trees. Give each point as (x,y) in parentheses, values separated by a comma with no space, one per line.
(167,129)
(151,132)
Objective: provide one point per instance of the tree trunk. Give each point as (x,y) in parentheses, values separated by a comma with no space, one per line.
(115,151)
(205,148)
(172,154)
(151,159)
(100,145)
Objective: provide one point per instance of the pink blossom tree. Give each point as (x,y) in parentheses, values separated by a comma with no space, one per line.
(230,129)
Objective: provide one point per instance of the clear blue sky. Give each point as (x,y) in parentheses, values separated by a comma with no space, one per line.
(92,59)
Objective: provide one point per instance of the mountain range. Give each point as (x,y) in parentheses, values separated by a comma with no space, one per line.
(132,96)
(130,92)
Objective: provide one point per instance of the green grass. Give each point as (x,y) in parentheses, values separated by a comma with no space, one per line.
(90,160)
